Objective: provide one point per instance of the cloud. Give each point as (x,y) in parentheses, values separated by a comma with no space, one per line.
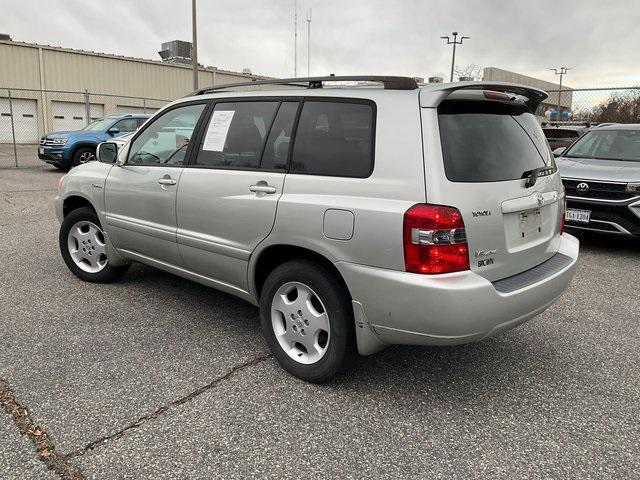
(354,36)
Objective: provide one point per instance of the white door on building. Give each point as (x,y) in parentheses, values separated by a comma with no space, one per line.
(25,120)
(73,115)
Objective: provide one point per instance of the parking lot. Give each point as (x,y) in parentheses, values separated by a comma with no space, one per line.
(155,376)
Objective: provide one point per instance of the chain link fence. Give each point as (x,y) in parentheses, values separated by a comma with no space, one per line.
(27,115)
(593,105)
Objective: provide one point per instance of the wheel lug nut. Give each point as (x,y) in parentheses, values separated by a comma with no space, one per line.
(299,312)
(306,322)
(302,331)
(295,328)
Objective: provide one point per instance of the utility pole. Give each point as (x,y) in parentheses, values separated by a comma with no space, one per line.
(194,45)
(562,72)
(309,43)
(295,38)
(454,42)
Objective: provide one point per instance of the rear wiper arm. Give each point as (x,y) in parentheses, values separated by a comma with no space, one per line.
(532,175)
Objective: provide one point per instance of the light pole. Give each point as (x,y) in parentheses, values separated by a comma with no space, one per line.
(309,43)
(295,38)
(454,42)
(194,45)
(562,72)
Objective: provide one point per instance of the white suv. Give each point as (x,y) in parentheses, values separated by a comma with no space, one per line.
(354,216)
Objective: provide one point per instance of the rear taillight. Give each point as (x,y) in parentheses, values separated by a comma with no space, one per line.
(562,215)
(434,240)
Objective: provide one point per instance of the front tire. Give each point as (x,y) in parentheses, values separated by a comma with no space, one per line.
(307,320)
(83,247)
(83,155)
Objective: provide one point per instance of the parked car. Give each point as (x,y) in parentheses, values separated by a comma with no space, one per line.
(563,136)
(68,149)
(601,175)
(354,217)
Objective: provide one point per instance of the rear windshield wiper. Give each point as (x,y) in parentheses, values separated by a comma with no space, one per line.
(532,175)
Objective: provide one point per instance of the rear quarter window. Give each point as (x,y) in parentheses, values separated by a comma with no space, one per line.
(490,142)
(334,139)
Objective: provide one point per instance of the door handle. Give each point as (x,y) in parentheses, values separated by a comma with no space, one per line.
(262,189)
(166,181)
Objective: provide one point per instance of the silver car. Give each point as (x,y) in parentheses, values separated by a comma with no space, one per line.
(354,216)
(601,175)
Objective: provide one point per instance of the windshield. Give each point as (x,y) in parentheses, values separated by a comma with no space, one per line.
(99,125)
(490,142)
(608,145)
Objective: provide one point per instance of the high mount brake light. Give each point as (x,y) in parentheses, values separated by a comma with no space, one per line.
(434,240)
(493,95)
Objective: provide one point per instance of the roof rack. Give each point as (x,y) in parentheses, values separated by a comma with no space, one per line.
(390,83)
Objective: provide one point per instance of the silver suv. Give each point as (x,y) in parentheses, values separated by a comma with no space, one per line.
(354,216)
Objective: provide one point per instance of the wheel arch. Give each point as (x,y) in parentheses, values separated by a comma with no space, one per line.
(75,201)
(82,144)
(264,261)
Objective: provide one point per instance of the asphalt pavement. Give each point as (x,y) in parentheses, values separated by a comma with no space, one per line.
(158,377)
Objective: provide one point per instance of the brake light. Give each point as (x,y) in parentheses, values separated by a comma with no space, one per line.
(501,96)
(434,240)
(562,216)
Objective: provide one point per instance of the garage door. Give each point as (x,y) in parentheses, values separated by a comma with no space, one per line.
(136,110)
(72,115)
(25,120)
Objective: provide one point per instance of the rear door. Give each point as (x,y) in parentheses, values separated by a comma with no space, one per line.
(477,152)
(227,199)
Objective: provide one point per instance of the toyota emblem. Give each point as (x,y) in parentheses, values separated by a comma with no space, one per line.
(582,187)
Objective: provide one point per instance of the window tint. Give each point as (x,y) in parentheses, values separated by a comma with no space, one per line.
(236,134)
(555,133)
(127,125)
(276,149)
(165,141)
(335,139)
(487,142)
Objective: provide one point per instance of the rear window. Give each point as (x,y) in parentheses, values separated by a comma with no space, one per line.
(489,142)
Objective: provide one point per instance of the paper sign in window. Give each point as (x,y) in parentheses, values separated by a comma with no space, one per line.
(217,132)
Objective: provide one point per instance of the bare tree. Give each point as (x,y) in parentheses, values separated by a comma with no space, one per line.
(471,71)
(618,108)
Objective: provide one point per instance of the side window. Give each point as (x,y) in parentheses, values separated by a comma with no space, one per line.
(276,150)
(236,134)
(127,125)
(334,139)
(165,141)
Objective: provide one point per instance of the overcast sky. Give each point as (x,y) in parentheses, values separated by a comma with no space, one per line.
(598,39)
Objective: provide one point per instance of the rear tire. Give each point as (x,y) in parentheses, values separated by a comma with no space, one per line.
(307,320)
(82,245)
(83,155)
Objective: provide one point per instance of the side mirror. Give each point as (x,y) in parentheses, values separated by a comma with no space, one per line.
(559,151)
(113,130)
(107,152)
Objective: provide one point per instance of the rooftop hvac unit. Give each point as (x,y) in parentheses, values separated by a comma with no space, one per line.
(176,51)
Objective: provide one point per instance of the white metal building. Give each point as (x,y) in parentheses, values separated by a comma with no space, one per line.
(40,77)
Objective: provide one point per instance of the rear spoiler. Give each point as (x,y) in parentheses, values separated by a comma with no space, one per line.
(433,94)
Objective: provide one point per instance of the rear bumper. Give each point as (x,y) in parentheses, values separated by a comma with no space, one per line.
(405,308)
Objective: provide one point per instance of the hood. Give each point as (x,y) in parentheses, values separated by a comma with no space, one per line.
(597,169)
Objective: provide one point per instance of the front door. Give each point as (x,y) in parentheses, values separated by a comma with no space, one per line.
(227,200)
(140,196)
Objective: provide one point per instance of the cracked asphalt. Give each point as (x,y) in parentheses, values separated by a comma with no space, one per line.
(158,377)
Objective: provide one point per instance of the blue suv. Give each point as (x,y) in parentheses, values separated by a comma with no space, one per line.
(68,149)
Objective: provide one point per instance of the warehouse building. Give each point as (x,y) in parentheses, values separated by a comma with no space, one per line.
(550,104)
(55,88)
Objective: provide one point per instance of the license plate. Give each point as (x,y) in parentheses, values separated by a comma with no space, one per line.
(530,223)
(575,215)
(41,151)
